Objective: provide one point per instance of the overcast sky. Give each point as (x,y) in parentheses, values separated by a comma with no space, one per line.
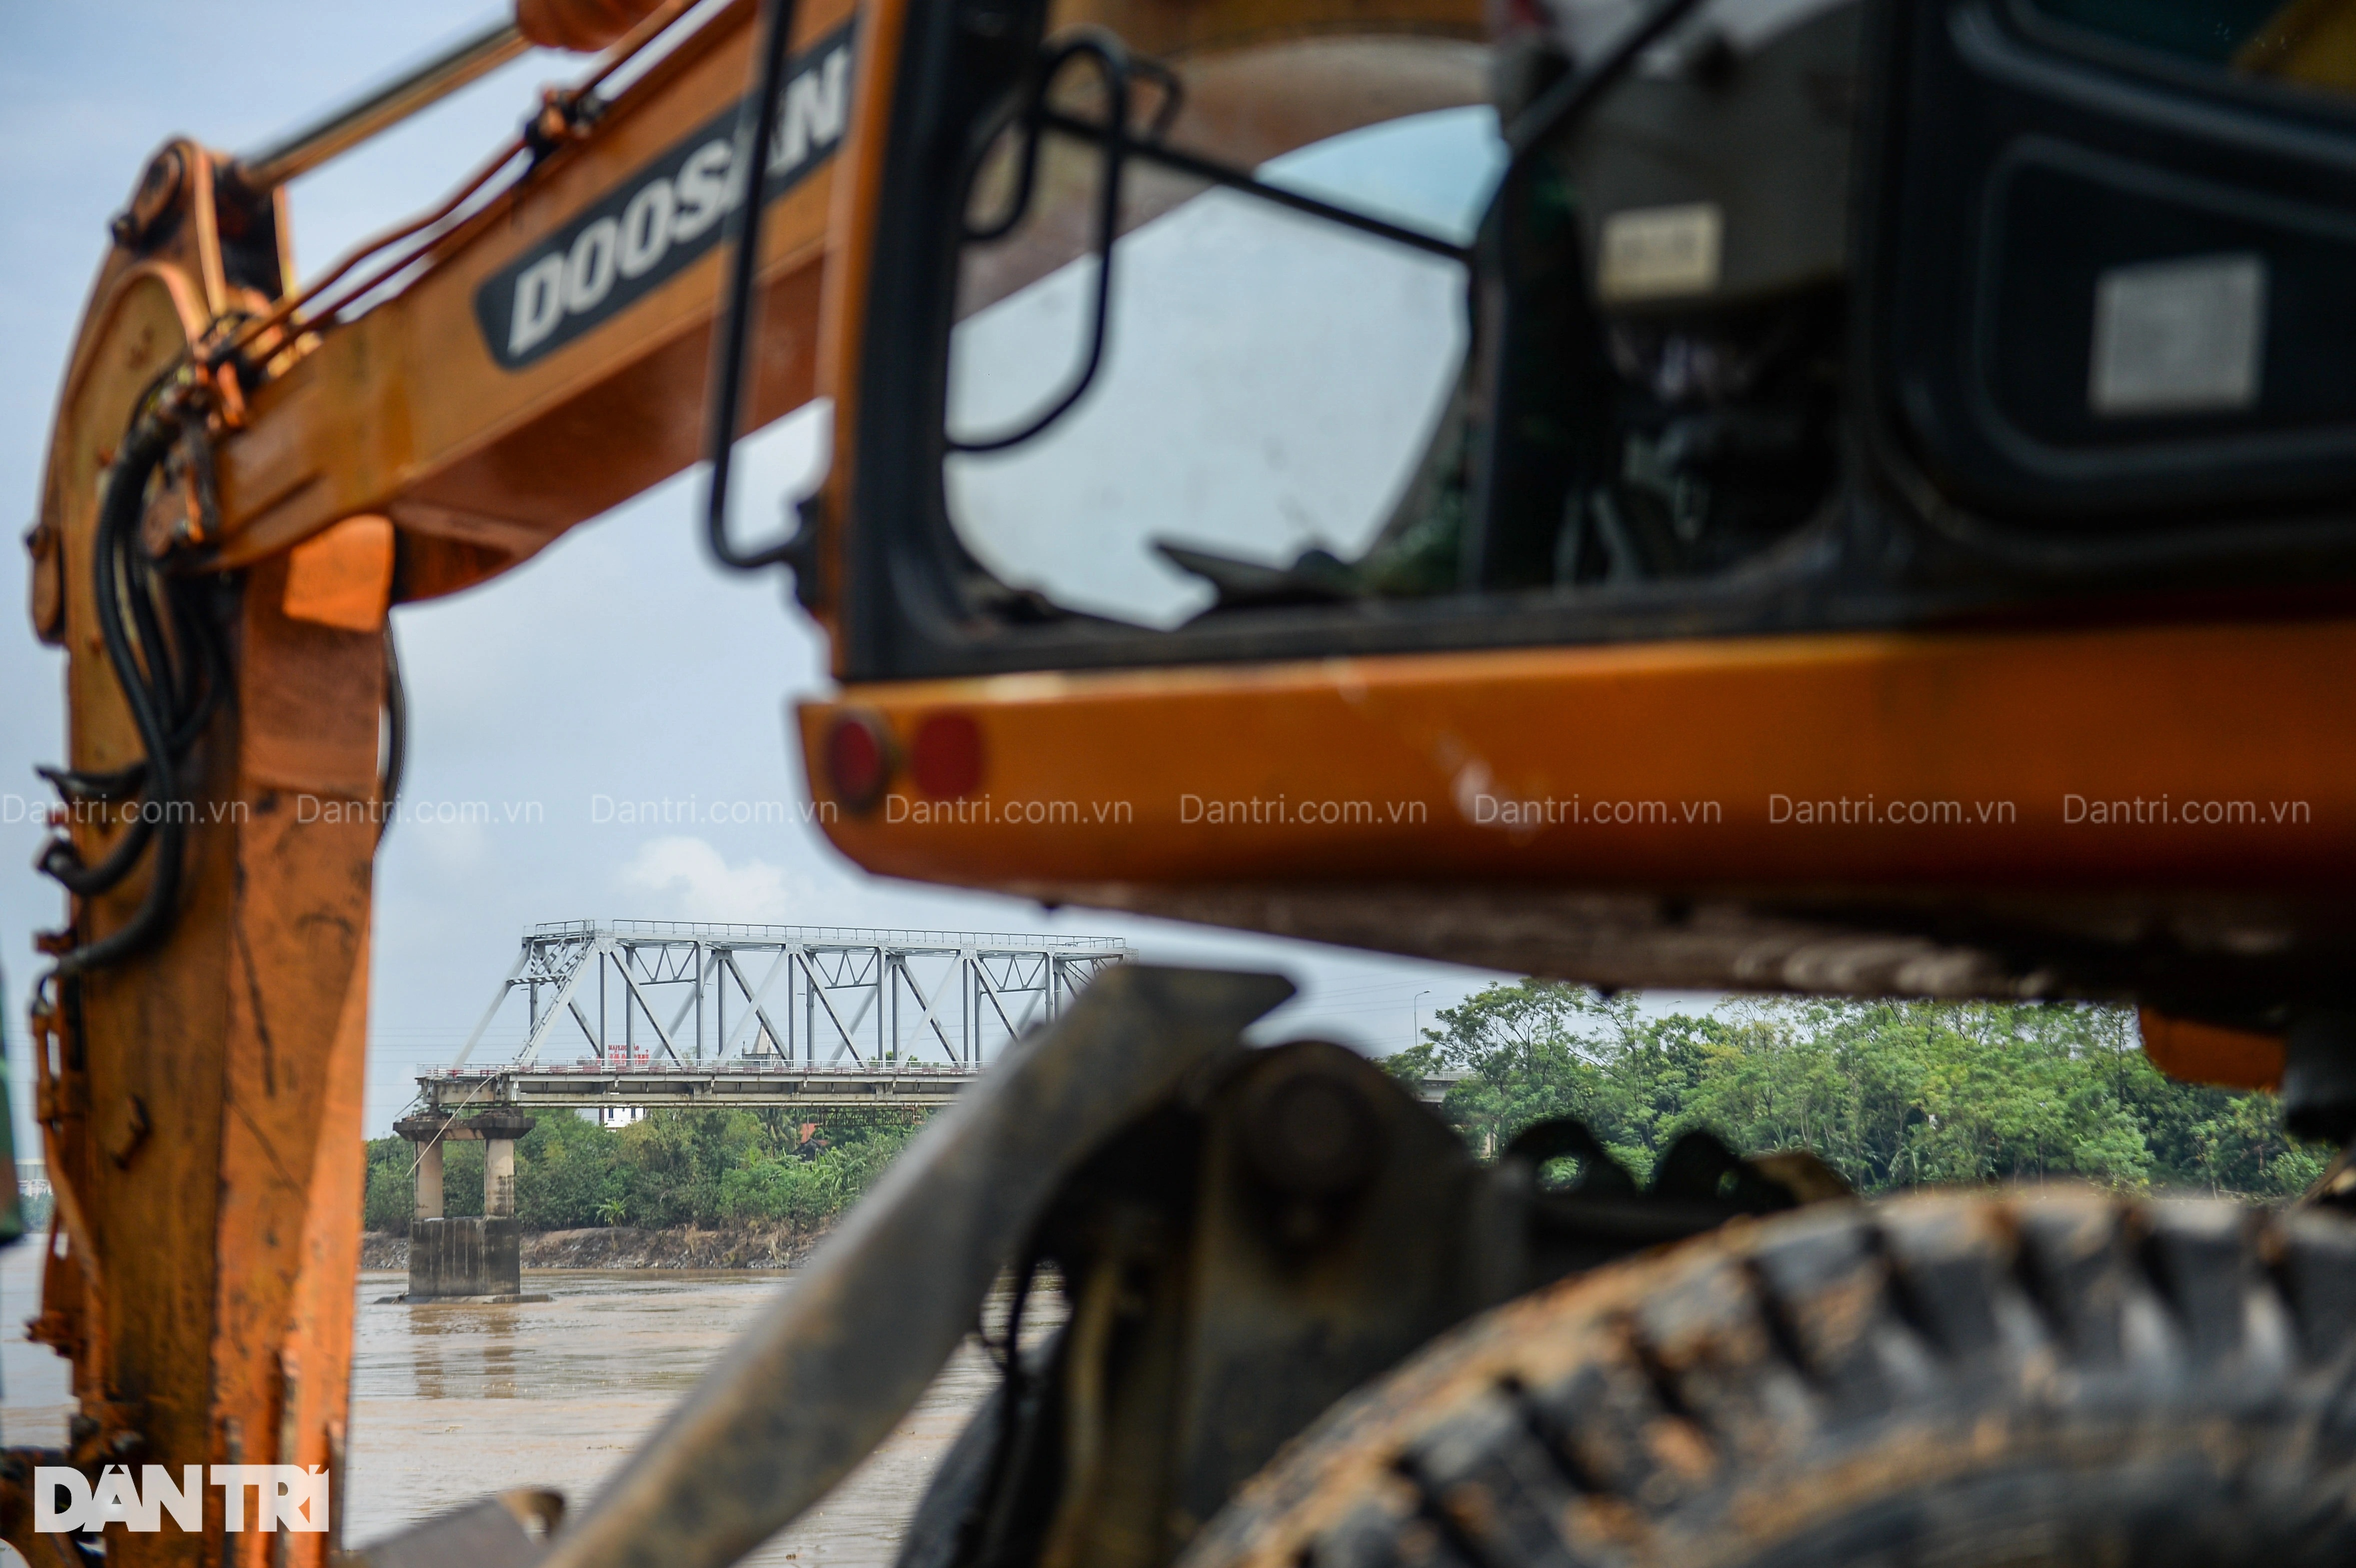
(618,663)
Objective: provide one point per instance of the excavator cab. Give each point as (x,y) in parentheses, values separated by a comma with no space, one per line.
(1641,321)
(1761,492)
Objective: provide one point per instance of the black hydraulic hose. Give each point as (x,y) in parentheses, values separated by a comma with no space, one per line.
(215,691)
(209,684)
(60,860)
(208,679)
(119,570)
(113,784)
(396,734)
(159,673)
(732,330)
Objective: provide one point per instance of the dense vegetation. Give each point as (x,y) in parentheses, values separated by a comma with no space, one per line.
(674,1167)
(1892,1093)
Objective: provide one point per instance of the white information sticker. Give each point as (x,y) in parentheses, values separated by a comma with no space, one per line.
(2179,337)
(1657,252)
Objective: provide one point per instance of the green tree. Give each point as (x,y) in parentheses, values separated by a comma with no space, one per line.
(671,1167)
(1891,1093)
(1531,1051)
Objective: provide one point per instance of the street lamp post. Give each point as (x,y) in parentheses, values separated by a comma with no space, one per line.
(1414,1029)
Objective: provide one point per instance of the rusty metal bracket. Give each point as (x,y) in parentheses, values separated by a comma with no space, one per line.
(1291,1226)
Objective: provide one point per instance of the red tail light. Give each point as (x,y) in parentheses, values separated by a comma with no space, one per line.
(859,758)
(946,759)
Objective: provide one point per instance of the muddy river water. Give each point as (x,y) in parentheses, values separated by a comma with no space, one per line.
(453,1402)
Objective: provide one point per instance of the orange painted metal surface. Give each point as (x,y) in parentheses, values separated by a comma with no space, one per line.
(580,23)
(343,576)
(2203,1053)
(2198,756)
(405,412)
(200,1105)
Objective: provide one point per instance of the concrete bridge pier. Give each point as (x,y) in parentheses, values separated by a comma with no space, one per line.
(465,1259)
(499,1175)
(429,1179)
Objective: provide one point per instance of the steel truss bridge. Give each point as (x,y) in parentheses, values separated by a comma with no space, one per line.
(809,994)
(628,1014)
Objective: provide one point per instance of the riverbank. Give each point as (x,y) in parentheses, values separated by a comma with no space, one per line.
(633,1247)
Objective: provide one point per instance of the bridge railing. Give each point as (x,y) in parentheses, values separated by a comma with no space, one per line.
(837,935)
(730,1067)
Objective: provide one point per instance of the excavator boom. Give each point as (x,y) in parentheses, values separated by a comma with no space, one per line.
(432,416)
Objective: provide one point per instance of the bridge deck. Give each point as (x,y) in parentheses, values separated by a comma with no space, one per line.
(465,1091)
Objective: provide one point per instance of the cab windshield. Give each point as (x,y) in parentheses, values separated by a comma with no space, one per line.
(1268,382)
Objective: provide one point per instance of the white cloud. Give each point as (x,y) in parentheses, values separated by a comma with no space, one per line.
(695,881)
(457,850)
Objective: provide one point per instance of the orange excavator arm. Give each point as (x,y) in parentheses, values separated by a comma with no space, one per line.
(285,468)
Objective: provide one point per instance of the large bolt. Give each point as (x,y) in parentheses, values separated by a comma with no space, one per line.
(1308,1131)
(159,187)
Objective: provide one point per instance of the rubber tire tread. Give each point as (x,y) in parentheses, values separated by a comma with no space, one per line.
(2023,1378)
